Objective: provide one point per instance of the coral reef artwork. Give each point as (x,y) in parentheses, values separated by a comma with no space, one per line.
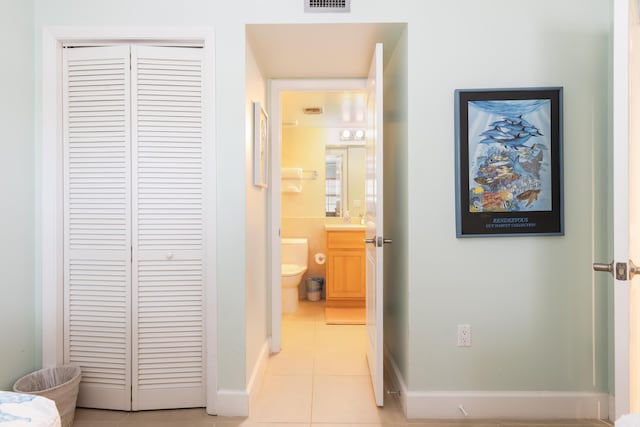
(509,156)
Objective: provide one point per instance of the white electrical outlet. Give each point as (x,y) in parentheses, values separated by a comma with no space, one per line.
(464,335)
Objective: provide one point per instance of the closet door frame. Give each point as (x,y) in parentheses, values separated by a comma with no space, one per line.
(52,267)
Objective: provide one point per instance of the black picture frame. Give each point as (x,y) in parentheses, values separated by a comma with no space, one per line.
(509,165)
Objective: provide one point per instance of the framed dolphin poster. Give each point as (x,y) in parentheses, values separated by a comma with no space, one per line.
(509,162)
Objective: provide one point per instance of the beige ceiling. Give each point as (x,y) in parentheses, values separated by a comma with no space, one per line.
(319,51)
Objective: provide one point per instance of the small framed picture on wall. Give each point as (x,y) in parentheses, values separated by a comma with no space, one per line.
(260,146)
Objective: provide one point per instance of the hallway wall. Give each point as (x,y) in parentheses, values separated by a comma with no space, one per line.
(257,296)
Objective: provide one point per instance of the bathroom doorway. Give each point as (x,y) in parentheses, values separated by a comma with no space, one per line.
(320,135)
(312,143)
(354,269)
(329,55)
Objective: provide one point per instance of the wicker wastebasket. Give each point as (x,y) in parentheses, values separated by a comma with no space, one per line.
(59,384)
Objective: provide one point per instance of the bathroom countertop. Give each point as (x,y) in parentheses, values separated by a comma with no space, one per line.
(338,226)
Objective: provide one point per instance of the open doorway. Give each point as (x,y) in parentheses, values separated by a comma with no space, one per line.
(329,154)
(304,142)
(336,57)
(354,269)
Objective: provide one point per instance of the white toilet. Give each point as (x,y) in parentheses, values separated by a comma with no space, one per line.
(295,252)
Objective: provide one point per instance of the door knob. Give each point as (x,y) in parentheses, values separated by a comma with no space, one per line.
(378,241)
(620,269)
(633,269)
(607,268)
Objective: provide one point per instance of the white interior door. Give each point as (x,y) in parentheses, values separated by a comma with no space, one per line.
(168,325)
(634,203)
(375,232)
(97,223)
(625,209)
(134,225)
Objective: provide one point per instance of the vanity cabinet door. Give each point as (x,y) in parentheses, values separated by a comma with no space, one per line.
(345,269)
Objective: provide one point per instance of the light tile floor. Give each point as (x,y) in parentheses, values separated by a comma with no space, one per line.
(319,379)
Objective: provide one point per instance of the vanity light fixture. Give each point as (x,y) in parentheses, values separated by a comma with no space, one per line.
(352,135)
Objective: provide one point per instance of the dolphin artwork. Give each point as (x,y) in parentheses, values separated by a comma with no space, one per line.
(509,156)
(510,132)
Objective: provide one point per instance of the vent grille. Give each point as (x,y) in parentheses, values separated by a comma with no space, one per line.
(312,110)
(313,6)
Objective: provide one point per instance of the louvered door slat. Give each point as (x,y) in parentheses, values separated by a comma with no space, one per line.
(168,228)
(97,223)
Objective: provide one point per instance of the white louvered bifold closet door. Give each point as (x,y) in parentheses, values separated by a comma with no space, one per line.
(168,250)
(97,223)
(134,226)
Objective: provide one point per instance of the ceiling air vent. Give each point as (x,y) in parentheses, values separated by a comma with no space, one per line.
(312,110)
(312,6)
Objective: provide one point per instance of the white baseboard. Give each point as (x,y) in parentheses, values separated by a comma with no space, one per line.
(237,403)
(257,376)
(507,404)
(612,407)
(501,404)
(232,403)
(397,384)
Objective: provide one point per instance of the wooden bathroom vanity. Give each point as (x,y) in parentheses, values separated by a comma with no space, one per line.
(345,268)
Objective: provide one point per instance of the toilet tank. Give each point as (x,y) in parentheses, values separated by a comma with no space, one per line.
(295,251)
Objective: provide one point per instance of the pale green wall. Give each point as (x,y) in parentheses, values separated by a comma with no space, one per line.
(396,202)
(18,333)
(529,300)
(257,294)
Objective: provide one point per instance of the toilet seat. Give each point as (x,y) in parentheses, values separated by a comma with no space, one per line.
(292,269)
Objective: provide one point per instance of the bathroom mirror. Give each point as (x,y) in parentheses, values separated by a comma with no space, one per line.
(344,180)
